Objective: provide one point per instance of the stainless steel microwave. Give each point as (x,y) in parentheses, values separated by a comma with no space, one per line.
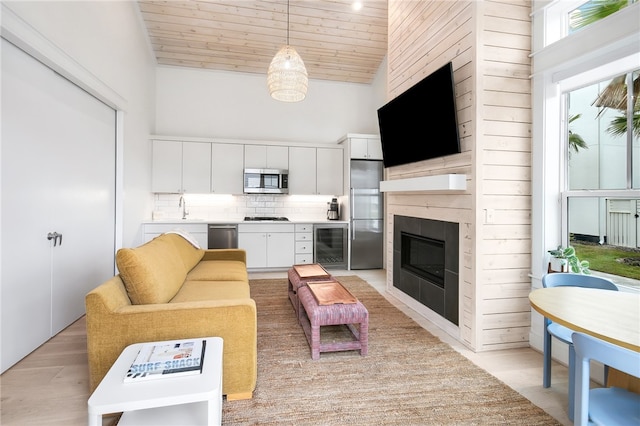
(266,181)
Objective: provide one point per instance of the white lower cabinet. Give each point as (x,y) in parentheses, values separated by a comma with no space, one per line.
(255,244)
(304,243)
(280,249)
(268,245)
(197,230)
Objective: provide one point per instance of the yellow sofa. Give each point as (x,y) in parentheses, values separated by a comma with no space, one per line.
(169,289)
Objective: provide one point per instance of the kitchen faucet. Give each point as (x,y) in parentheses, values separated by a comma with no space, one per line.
(182,203)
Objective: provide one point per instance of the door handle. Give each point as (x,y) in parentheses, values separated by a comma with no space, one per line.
(55,237)
(352,203)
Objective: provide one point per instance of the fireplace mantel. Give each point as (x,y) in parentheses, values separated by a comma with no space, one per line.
(448,182)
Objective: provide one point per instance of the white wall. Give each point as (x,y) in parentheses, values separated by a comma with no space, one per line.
(107,39)
(206,103)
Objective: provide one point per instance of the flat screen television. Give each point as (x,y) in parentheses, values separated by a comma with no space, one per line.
(421,123)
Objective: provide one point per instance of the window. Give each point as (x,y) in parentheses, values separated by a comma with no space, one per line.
(598,141)
(592,11)
(565,17)
(603,155)
(606,232)
(586,134)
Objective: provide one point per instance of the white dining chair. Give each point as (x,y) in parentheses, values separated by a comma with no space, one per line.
(604,406)
(562,333)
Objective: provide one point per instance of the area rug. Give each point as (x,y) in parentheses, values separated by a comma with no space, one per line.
(409,376)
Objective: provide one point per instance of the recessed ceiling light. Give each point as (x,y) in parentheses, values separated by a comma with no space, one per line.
(357,5)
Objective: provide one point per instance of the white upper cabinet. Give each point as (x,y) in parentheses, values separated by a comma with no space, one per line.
(316,171)
(166,169)
(302,170)
(227,165)
(217,167)
(329,171)
(196,167)
(181,167)
(266,157)
(366,148)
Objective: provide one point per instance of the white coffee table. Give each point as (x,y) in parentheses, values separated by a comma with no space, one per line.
(188,400)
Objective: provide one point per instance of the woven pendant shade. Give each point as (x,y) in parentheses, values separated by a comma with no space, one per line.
(287,76)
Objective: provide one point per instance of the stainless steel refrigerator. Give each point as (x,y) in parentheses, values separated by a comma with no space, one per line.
(366,214)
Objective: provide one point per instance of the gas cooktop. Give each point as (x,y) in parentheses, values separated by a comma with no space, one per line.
(265,218)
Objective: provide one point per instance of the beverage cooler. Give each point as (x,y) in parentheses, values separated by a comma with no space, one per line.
(330,245)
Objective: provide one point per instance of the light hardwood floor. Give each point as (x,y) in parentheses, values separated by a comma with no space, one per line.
(50,386)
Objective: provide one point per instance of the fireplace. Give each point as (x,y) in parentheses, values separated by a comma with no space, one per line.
(425,263)
(423,256)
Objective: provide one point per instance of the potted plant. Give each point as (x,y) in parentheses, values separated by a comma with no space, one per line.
(564,259)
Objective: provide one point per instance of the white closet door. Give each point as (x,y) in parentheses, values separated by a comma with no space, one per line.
(83,187)
(58,175)
(26,275)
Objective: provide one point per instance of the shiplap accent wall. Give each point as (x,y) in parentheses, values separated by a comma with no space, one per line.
(488,43)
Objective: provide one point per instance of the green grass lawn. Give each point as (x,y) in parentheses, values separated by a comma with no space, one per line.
(607,259)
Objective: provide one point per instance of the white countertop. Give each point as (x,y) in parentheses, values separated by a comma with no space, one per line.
(220,221)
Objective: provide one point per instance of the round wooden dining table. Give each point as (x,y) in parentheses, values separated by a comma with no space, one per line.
(613,316)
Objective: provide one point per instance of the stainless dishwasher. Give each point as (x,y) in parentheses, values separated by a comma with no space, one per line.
(223,236)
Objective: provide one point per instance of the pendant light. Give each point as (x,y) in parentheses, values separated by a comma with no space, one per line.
(287,76)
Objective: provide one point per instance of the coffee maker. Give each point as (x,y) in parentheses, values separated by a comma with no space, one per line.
(332,210)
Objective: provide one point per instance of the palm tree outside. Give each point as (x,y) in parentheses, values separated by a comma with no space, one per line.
(576,142)
(615,95)
(594,10)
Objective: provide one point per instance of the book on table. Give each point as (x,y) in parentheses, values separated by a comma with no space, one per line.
(160,360)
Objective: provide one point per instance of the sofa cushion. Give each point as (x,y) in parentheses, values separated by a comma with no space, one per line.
(219,270)
(189,254)
(211,290)
(153,272)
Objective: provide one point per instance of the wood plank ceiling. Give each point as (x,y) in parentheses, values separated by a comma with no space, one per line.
(335,42)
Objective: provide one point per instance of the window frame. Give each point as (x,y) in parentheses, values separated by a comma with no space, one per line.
(614,40)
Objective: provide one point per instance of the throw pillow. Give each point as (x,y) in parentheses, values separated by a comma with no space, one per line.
(153,272)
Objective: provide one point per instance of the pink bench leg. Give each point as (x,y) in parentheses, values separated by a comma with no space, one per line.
(364,338)
(315,342)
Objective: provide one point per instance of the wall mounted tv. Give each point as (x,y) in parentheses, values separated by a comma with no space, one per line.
(421,123)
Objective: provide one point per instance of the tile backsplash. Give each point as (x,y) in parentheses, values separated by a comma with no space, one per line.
(236,207)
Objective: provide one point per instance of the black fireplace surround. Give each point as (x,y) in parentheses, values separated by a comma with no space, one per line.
(425,263)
